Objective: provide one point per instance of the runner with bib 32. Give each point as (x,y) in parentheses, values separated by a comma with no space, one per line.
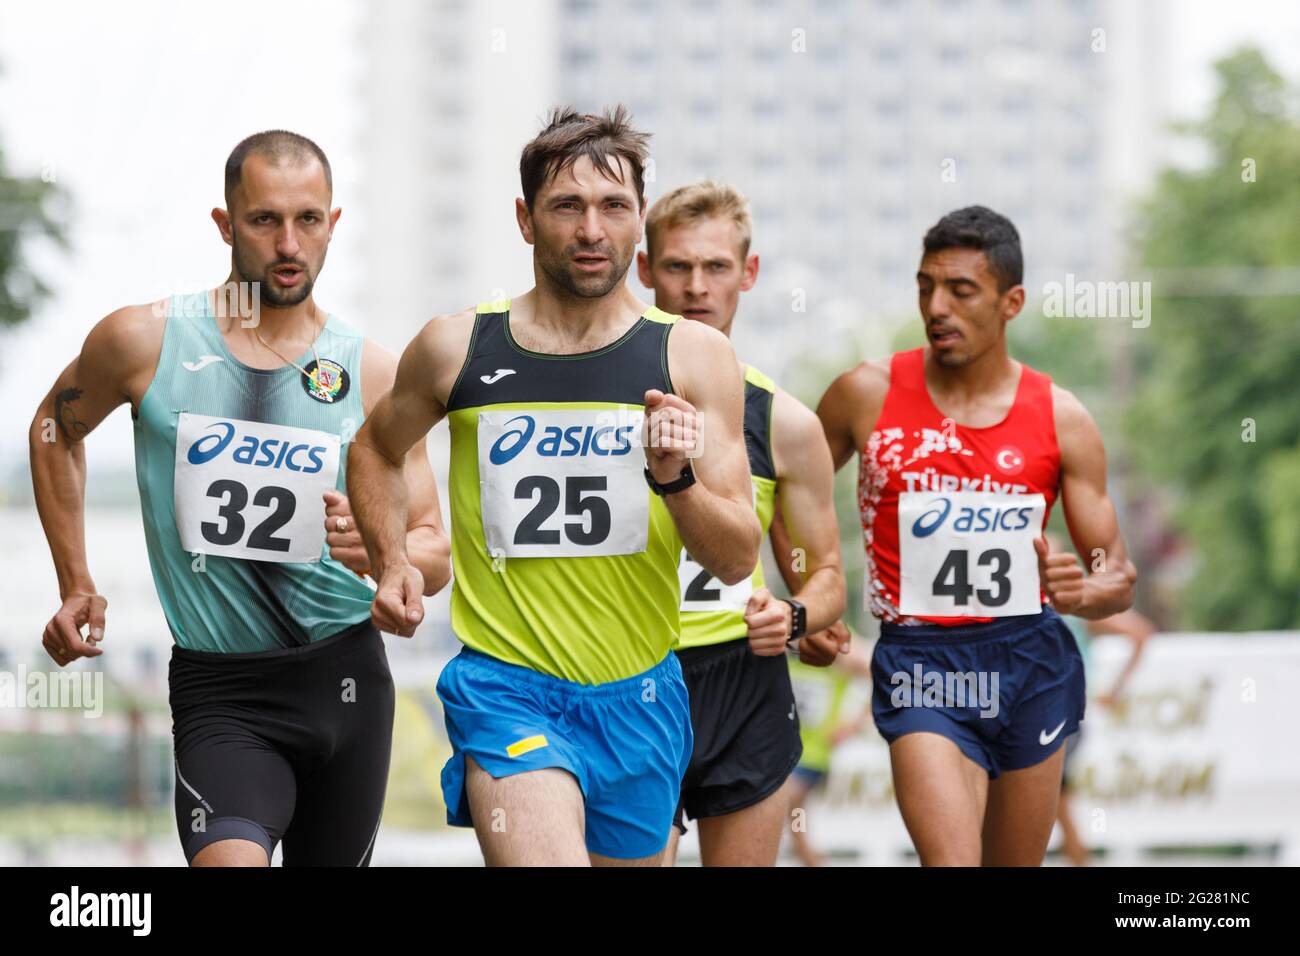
(963,452)
(244,401)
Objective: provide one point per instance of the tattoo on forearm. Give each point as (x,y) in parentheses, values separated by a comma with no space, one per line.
(66,416)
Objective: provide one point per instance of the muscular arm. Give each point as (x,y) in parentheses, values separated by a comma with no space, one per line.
(715,516)
(850,407)
(426,542)
(115,365)
(380,459)
(806,506)
(1090,514)
(847,411)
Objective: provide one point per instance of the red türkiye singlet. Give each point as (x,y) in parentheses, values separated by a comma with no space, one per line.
(950,513)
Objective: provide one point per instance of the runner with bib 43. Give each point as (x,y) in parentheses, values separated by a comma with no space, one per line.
(963,452)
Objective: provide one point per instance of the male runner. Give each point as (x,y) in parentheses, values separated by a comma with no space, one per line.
(963,450)
(567,714)
(698,262)
(281,698)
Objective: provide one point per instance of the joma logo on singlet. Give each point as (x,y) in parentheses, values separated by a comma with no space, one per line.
(556,442)
(258,452)
(970,520)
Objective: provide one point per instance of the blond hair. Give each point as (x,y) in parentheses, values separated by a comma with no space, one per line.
(696,203)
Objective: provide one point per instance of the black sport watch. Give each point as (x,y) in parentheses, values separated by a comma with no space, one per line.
(798,620)
(680,483)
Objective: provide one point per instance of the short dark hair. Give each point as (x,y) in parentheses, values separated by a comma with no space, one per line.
(978,227)
(276,145)
(569,135)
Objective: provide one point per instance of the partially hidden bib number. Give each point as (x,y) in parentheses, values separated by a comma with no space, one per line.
(252,490)
(968,553)
(701,591)
(563,483)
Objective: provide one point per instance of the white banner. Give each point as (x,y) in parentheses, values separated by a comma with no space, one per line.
(1201,750)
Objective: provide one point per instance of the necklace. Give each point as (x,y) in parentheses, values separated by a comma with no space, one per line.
(285,357)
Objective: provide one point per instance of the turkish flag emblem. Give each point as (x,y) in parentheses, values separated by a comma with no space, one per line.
(1010,459)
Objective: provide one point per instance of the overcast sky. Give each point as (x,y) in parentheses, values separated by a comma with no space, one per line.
(133,106)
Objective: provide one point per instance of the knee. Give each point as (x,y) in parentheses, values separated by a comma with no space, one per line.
(232,853)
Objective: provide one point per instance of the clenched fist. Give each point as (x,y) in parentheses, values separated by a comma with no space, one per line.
(1062,577)
(398,607)
(820,648)
(670,434)
(768,619)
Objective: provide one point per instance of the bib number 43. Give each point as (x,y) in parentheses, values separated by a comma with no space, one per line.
(953,581)
(968,553)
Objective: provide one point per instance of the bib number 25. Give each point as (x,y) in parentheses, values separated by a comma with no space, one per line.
(581,500)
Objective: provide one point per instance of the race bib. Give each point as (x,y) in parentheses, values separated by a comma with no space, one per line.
(252,490)
(563,483)
(701,591)
(968,553)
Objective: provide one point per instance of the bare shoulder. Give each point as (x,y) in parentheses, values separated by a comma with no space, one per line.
(1070,413)
(699,357)
(125,345)
(1076,431)
(440,349)
(378,370)
(687,337)
(866,381)
(133,331)
(793,422)
(857,395)
(797,434)
(445,338)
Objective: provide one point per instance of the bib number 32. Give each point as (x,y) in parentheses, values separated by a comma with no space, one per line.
(252,490)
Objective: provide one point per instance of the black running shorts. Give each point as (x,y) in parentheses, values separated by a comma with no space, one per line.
(288,745)
(746,729)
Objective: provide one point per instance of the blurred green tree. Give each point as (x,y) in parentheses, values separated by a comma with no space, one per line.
(29,208)
(1217,412)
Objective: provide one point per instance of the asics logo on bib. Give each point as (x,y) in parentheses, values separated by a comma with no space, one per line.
(556,442)
(258,452)
(1015,518)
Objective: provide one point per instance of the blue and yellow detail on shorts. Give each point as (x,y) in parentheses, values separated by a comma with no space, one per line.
(627,743)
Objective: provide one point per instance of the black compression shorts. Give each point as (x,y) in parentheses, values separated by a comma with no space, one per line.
(288,745)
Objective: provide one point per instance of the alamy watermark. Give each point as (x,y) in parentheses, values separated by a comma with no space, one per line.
(1084,299)
(922,688)
(75,690)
